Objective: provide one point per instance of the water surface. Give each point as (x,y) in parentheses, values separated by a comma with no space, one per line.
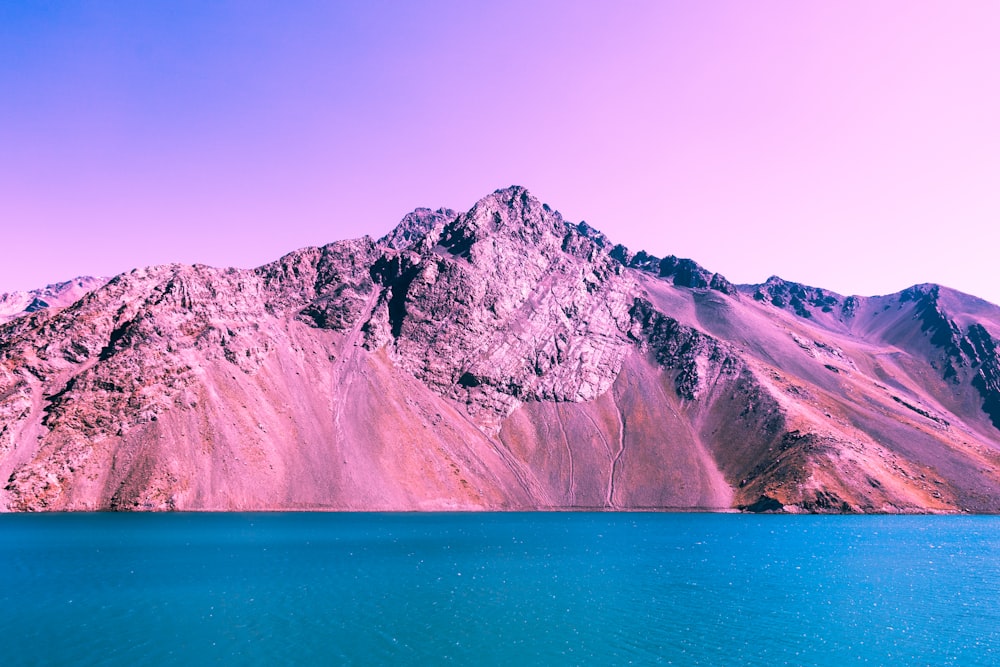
(498,589)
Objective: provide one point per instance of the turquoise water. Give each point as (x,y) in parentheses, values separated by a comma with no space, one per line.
(498,589)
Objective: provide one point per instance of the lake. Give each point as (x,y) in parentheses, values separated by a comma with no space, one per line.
(499,589)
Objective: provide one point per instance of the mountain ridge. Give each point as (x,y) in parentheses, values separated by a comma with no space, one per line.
(55,295)
(500,358)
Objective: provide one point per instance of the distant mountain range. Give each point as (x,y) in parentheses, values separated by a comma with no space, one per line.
(58,295)
(500,358)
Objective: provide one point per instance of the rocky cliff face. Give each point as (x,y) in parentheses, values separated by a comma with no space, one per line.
(500,358)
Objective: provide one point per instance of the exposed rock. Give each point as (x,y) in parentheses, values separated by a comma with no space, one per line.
(501,358)
(696,357)
(799,299)
(415,226)
(965,352)
(594,235)
(763,504)
(498,313)
(682,272)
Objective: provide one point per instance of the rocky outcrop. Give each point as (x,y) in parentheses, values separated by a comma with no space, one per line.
(681,272)
(964,353)
(802,300)
(415,226)
(501,358)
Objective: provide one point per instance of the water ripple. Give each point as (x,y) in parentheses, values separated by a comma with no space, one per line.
(497,589)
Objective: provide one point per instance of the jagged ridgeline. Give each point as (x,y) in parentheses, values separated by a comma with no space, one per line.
(500,358)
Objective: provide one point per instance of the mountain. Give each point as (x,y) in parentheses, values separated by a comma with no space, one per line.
(500,358)
(58,295)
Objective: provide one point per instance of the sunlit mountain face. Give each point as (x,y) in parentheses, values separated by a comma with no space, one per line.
(500,358)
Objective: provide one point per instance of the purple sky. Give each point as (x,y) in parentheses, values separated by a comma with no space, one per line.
(849,145)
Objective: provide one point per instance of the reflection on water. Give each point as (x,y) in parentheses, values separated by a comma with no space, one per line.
(485,589)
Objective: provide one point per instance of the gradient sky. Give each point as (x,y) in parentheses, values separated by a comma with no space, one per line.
(853,146)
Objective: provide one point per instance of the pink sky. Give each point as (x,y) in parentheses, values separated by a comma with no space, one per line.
(853,146)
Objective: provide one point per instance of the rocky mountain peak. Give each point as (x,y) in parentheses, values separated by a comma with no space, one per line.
(927,292)
(415,225)
(507,216)
(511,305)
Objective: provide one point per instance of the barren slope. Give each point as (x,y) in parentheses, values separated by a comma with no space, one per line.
(497,359)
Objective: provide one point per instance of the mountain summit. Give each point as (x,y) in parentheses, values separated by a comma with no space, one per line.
(500,358)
